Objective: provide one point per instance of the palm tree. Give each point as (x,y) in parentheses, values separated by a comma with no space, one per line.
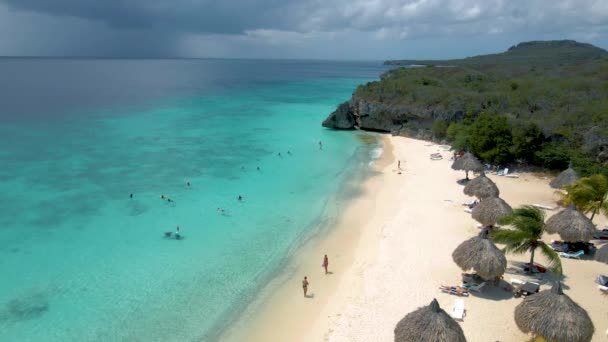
(528,225)
(588,194)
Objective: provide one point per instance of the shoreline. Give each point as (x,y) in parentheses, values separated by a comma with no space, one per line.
(283,294)
(395,242)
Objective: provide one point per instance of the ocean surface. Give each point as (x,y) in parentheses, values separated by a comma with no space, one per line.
(80,260)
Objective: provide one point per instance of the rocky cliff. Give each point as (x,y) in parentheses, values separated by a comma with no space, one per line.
(412,121)
(558,86)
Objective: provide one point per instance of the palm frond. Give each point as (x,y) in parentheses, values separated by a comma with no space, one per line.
(555,263)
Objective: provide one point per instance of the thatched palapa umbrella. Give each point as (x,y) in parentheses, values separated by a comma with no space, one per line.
(601,254)
(571,225)
(428,324)
(554,316)
(568,176)
(481,255)
(490,210)
(467,163)
(481,187)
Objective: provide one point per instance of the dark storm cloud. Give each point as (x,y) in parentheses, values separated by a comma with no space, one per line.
(292,28)
(173,15)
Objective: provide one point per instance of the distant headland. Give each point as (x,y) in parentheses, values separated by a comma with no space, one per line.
(540,103)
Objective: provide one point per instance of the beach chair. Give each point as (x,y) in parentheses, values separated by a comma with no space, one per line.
(455,290)
(576,255)
(546,207)
(475,287)
(603,288)
(515,281)
(602,280)
(458,310)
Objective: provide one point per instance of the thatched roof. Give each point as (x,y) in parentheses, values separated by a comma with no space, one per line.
(428,324)
(571,225)
(568,176)
(482,255)
(467,162)
(490,210)
(601,254)
(481,187)
(554,316)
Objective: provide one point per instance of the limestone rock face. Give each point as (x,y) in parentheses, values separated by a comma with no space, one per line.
(405,120)
(341,118)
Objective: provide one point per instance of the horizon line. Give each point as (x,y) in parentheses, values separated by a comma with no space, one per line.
(190,58)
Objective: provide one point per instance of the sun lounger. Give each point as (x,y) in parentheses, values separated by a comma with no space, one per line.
(603,288)
(515,281)
(455,290)
(474,287)
(512,175)
(458,310)
(528,288)
(576,255)
(468,210)
(542,206)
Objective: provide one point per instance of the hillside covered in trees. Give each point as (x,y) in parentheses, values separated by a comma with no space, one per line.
(539,103)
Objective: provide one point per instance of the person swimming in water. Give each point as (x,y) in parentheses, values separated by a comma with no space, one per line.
(279,154)
(131,196)
(188,183)
(258,168)
(162,196)
(320,145)
(289,152)
(240,198)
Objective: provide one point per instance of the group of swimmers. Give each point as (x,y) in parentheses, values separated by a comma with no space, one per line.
(240,199)
(305,282)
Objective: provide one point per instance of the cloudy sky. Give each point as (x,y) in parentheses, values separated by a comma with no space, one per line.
(319,29)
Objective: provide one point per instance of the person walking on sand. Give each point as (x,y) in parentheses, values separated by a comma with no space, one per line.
(325,263)
(399,164)
(305,285)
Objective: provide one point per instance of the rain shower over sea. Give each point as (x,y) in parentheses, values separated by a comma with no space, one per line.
(82,260)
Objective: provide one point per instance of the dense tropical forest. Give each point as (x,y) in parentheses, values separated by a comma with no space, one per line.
(539,103)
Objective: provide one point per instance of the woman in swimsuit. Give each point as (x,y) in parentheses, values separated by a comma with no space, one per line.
(305,285)
(325,263)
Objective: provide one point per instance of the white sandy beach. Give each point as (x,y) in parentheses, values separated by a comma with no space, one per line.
(392,249)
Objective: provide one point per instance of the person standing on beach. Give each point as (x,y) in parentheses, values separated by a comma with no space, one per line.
(325,263)
(305,285)
(399,164)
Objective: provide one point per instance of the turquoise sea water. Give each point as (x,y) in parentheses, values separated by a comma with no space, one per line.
(82,261)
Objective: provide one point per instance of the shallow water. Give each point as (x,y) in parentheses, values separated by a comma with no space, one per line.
(82,261)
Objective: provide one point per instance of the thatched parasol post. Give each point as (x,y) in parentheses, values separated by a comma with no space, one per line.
(467,163)
(481,255)
(554,316)
(490,210)
(428,324)
(481,187)
(571,225)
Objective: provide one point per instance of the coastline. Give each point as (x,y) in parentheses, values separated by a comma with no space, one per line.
(282,296)
(395,242)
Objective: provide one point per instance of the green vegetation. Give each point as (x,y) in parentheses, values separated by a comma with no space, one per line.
(539,103)
(528,225)
(588,194)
